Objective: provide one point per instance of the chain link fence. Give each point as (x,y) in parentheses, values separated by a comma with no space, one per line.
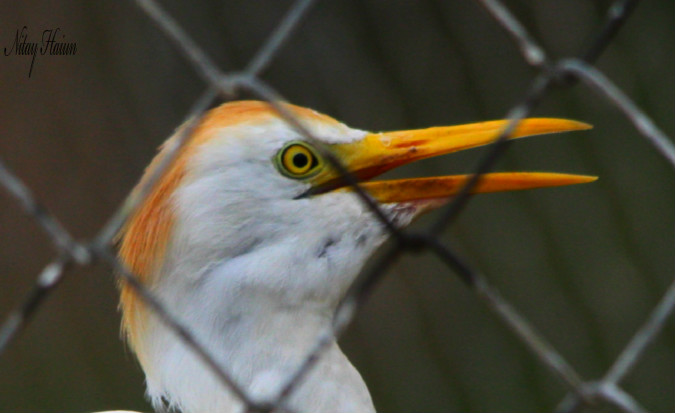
(550,75)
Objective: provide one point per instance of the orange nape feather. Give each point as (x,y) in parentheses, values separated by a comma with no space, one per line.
(144,239)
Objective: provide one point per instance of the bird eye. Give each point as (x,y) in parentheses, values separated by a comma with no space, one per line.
(298,160)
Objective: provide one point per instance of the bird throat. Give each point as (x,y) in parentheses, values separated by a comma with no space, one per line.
(261,350)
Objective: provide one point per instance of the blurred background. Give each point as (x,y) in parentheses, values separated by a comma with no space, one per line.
(585,264)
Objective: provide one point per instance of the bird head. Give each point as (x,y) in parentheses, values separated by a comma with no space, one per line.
(252,230)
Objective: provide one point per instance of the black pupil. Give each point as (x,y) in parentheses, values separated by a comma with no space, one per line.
(300,160)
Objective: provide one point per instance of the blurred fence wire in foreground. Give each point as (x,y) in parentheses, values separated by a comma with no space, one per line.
(565,73)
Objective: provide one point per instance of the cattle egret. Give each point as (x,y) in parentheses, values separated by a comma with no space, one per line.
(251,238)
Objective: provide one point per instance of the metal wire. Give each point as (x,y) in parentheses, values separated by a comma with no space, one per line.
(564,73)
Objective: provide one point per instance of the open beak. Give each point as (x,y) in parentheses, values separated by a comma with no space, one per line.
(377,153)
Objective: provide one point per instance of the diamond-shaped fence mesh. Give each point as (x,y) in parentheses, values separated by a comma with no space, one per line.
(549,77)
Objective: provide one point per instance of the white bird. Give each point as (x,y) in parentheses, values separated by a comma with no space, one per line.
(251,239)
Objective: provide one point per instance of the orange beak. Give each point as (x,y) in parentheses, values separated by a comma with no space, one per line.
(379,152)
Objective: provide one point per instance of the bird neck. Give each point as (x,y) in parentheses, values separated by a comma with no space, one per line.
(257,295)
(258,346)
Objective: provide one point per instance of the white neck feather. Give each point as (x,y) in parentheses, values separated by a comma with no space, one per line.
(259,313)
(260,348)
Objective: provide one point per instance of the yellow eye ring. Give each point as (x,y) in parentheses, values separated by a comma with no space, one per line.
(298,160)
